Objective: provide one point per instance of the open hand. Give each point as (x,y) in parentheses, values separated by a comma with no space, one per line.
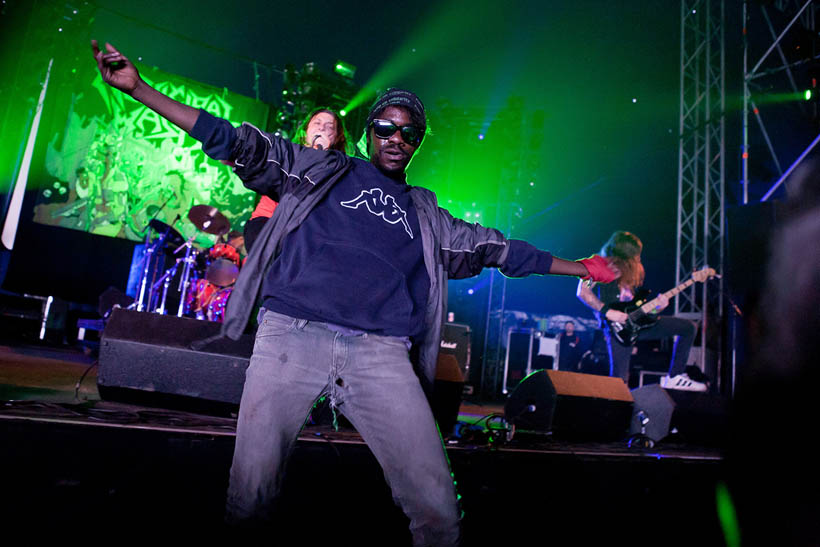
(116,70)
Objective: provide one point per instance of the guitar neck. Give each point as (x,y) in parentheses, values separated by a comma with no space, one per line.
(647,307)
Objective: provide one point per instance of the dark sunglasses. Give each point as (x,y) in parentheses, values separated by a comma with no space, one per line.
(384,129)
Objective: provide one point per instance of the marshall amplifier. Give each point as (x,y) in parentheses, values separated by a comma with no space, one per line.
(455,340)
(452,376)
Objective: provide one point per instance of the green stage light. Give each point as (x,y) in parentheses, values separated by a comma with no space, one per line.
(345,69)
(807,95)
(449,25)
(343,113)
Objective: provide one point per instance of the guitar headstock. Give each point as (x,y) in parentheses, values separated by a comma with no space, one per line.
(704,274)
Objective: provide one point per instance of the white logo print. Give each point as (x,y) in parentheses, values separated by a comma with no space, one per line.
(380,205)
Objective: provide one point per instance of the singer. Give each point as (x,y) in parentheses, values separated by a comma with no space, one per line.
(322,129)
(352,269)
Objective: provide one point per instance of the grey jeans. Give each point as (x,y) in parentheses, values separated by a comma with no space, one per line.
(371,381)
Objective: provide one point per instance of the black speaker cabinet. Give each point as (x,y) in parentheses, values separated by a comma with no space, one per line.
(699,418)
(455,340)
(571,405)
(148,358)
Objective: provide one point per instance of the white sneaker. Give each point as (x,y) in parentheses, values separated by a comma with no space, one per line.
(682,381)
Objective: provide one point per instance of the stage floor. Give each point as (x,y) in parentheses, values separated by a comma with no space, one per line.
(72,456)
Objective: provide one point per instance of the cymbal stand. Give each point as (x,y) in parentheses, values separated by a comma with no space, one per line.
(185,279)
(149,253)
(166,282)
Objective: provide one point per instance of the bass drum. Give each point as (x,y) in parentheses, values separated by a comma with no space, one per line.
(216,309)
(199,297)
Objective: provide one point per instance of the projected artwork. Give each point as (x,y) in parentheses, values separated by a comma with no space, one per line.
(117,164)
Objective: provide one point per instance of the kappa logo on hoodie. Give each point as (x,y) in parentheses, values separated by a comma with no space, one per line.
(381,205)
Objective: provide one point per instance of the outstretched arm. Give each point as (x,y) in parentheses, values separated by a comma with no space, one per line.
(120,73)
(524,259)
(594,267)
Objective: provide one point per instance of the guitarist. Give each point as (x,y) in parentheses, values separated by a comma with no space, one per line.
(624,249)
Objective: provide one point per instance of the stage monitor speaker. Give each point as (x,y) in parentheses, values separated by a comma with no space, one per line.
(147,358)
(571,405)
(699,418)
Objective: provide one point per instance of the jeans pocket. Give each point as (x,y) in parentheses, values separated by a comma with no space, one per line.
(273,324)
(391,341)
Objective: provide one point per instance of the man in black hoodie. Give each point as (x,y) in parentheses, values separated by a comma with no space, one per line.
(352,269)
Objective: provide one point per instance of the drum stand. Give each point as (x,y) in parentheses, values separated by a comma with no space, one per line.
(185,280)
(166,281)
(143,301)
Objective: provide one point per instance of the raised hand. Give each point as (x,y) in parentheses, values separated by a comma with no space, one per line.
(115,68)
(120,73)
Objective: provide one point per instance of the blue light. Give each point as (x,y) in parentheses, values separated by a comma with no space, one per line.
(470,291)
(481,136)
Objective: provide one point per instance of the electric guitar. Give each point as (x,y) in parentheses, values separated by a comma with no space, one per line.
(638,310)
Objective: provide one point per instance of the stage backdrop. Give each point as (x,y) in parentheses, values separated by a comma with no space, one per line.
(117,164)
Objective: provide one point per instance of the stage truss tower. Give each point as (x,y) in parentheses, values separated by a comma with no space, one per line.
(701,163)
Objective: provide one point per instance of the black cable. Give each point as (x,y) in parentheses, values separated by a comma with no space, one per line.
(80,381)
(488,417)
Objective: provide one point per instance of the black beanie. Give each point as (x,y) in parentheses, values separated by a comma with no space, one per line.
(399,97)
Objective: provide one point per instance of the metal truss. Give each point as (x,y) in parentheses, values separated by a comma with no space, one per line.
(800,13)
(701,159)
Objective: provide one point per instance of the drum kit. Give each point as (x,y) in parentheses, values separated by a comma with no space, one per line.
(199,282)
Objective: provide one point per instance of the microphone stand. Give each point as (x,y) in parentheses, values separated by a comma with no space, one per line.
(149,252)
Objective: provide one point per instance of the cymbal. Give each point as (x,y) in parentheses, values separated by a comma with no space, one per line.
(173,239)
(209,220)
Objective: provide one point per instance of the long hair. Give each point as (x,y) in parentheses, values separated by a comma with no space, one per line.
(624,248)
(341,141)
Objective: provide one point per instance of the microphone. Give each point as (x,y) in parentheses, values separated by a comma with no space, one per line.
(316,146)
(319,147)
